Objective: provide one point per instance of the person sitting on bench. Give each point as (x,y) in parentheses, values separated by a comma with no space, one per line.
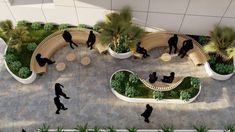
(68,38)
(169,79)
(153,77)
(141,50)
(42,61)
(187,45)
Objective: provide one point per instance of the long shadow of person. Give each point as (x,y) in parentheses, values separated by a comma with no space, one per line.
(91,40)
(68,38)
(59,105)
(58,90)
(147,113)
(43,61)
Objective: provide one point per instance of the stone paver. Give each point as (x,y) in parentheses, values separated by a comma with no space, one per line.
(29,106)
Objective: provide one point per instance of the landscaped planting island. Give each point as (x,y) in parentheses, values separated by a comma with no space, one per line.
(127,86)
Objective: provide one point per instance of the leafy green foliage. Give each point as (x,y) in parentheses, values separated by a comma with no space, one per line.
(97,28)
(31,46)
(195,82)
(96,129)
(158,95)
(130,91)
(133,78)
(118,30)
(222,42)
(85,26)
(224,68)
(132,130)
(24,72)
(10,58)
(6,28)
(229,127)
(212,60)
(201,128)
(59,129)
(63,26)
(22,23)
(111,129)
(117,86)
(119,76)
(184,95)
(48,27)
(36,25)
(203,40)
(44,128)
(166,128)
(174,94)
(80,128)
(15,66)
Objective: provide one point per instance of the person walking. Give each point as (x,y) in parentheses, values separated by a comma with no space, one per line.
(91,40)
(68,38)
(59,105)
(147,113)
(173,43)
(58,90)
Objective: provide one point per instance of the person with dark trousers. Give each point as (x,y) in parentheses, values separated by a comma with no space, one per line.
(43,61)
(23,130)
(147,113)
(141,50)
(153,77)
(169,79)
(59,105)
(187,45)
(68,38)
(173,43)
(58,90)
(91,40)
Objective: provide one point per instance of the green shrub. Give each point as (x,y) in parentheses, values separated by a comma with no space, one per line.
(229,127)
(130,91)
(97,28)
(24,72)
(85,26)
(174,94)
(133,78)
(80,128)
(63,26)
(10,58)
(36,25)
(201,128)
(203,40)
(44,128)
(117,86)
(158,95)
(22,23)
(31,47)
(15,66)
(166,128)
(11,50)
(224,68)
(212,60)
(119,76)
(48,27)
(195,82)
(184,95)
(132,129)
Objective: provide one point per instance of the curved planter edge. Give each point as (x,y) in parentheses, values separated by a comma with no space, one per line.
(28,80)
(215,75)
(143,100)
(119,55)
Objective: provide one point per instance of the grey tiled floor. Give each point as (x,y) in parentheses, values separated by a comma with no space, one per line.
(29,106)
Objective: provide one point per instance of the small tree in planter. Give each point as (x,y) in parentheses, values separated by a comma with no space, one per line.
(119,32)
(221,48)
(158,95)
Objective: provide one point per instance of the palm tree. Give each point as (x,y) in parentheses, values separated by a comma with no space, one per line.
(117,29)
(19,36)
(222,42)
(6,28)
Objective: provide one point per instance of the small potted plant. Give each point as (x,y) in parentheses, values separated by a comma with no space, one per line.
(119,33)
(221,49)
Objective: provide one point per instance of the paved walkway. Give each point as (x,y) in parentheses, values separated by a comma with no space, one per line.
(29,106)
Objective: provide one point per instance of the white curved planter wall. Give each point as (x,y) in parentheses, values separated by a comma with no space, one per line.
(143,100)
(28,80)
(215,75)
(119,55)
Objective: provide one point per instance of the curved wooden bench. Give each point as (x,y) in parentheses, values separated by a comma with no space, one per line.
(160,39)
(55,41)
(161,86)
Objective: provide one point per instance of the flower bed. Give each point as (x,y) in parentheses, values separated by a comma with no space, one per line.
(128,85)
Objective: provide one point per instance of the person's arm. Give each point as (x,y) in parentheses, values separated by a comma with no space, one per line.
(61,85)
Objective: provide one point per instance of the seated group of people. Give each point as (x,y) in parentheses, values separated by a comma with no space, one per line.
(166,79)
(172,42)
(42,61)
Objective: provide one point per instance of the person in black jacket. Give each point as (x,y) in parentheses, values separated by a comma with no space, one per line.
(169,79)
(153,77)
(59,105)
(42,61)
(91,40)
(187,45)
(173,43)
(141,50)
(58,90)
(68,38)
(147,113)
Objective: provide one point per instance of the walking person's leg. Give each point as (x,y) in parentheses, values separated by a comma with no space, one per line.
(58,110)
(49,62)
(62,107)
(70,44)
(74,43)
(175,46)
(170,48)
